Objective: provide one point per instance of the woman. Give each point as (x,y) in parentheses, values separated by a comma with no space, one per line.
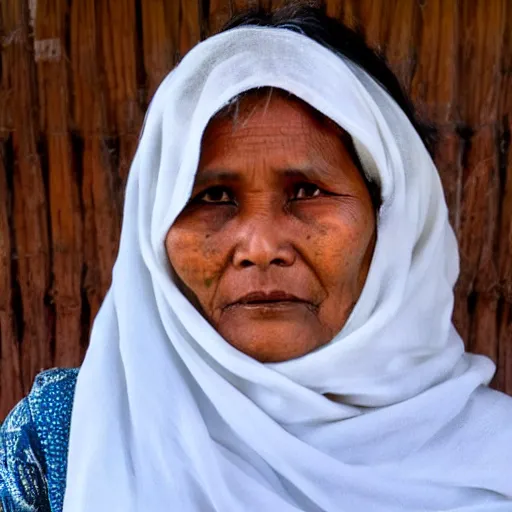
(278,332)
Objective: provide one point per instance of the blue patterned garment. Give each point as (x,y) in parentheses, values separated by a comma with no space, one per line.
(34,444)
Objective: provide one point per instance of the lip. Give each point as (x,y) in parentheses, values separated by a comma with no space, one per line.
(268,299)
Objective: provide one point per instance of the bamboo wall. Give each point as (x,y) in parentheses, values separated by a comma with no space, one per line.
(75,80)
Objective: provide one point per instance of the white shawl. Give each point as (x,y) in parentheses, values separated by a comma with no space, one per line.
(392,415)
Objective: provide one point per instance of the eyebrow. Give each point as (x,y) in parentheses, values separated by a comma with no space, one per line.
(307,173)
(223,175)
(214,175)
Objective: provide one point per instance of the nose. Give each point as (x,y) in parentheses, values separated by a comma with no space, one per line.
(262,242)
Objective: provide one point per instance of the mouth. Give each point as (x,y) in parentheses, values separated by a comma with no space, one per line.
(270,301)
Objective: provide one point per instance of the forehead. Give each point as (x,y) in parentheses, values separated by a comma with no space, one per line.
(271,122)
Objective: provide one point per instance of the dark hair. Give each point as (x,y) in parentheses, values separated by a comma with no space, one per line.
(312,21)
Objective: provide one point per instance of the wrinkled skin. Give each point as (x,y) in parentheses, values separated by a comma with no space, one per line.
(278,204)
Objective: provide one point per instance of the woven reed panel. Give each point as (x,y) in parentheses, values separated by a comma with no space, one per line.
(76,77)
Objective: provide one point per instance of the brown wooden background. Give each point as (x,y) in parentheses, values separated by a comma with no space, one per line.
(75,79)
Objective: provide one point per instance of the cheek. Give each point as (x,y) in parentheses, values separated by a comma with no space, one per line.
(342,249)
(195,260)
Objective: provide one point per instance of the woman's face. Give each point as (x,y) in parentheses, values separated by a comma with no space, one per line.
(274,246)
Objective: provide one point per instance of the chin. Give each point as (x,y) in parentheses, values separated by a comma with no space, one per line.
(272,344)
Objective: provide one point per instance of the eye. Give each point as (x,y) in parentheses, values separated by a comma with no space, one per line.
(306,191)
(216,195)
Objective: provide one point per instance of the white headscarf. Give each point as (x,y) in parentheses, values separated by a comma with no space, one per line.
(391,415)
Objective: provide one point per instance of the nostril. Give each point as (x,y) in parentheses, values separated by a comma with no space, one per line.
(262,254)
(277,261)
